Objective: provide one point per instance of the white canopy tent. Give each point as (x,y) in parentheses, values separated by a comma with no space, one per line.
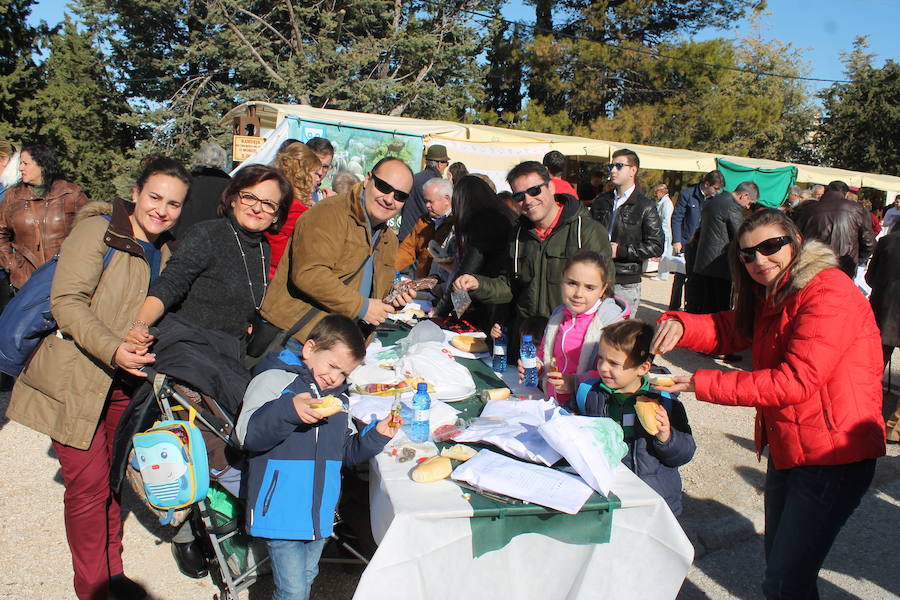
(494,150)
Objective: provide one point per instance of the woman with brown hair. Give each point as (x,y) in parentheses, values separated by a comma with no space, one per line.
(37,214)
(74,388)
(815,383)
(302,168)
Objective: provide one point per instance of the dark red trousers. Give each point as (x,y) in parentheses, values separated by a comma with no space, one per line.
(92,514)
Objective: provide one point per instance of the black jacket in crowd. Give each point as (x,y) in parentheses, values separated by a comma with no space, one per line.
(719,222)
(842,224)
(203,199)
(637,230)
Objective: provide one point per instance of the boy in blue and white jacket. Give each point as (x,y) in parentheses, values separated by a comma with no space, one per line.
(623,362)
(294,477)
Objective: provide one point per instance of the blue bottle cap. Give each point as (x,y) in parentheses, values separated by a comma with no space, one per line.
(422,387)
(526,338)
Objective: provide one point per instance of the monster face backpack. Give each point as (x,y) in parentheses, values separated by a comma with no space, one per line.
(171,457)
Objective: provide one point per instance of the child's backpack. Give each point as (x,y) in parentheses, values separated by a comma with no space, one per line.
(27,319)
(171,457)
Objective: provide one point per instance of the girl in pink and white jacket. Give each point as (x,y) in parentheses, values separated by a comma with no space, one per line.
(573,332)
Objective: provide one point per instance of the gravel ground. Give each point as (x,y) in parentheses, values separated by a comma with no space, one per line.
(722,517)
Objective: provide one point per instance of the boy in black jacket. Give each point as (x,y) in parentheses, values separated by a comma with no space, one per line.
(623,363)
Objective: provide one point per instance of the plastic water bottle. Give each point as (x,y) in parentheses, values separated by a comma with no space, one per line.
(528,354)
(420,430)
(397,277)
(498,363)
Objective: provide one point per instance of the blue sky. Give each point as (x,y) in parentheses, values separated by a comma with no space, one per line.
(821,28)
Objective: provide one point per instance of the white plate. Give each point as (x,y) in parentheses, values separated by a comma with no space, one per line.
(453,393)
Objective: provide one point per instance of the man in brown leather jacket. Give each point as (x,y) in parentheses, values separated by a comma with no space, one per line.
(842,224)
(36,214)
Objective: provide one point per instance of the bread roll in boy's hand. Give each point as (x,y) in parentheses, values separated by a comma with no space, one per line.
(328,405)
(653,417)
(646,413)
(303,405)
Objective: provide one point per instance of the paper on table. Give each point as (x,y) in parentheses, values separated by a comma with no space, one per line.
(511,425)
(577,438)
(536,484)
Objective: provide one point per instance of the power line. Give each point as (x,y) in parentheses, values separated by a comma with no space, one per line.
(540,30)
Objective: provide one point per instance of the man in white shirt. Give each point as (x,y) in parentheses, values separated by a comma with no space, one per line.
(664,208)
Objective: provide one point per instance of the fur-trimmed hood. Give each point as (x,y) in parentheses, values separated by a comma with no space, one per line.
(815,257)
(93,209)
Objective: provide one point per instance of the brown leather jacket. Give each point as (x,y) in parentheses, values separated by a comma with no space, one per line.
(842,224)
(32,229)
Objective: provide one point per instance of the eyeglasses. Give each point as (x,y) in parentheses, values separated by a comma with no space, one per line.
(533,191)
(766,248)
(619,166)
(385,188)
(249,200)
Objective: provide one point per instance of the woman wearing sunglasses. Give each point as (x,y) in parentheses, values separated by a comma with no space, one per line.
(815,382)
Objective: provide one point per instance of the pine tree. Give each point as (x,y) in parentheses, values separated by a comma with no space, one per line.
(78,112)
(862,118)
(19,74)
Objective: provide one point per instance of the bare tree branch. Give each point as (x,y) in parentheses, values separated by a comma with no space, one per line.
(265,65)
(298,41)
(264,23)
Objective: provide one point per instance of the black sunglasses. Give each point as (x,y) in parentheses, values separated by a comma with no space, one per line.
(766,248)
(533,191)
(617,165)
(385,188)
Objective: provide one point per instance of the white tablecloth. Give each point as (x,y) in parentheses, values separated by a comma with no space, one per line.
(425,548)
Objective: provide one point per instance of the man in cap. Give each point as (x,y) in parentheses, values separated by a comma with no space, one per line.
(436,162)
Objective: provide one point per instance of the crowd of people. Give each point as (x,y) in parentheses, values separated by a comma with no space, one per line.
(292,277)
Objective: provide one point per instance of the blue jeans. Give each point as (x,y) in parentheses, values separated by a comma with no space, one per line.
(805,509)
(295,563)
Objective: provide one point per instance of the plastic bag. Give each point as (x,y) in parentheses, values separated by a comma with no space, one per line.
(425,331)
(433,362)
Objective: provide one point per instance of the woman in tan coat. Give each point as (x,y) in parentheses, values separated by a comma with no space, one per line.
(74,388)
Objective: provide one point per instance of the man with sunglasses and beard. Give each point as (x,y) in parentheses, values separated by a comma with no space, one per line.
(341,256)
(550,228)
(710,280)
(633,224)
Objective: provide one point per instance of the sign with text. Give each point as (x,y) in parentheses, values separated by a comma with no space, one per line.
(245,146)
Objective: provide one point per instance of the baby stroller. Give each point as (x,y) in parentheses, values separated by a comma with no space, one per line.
(234,563)
(196,368)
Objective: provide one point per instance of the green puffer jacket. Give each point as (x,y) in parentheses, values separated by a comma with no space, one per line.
(534,268)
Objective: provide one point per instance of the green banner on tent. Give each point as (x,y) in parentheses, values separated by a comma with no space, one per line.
(773,183)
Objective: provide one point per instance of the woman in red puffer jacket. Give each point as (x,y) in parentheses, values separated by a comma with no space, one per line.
(815,383)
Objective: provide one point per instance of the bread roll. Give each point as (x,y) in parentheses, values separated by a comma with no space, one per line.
(495,394)
(467,343)
(663,379)
(329,405)
(459,452)
(433,469)
(646,413)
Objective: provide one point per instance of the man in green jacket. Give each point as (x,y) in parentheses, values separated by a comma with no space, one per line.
(550,229)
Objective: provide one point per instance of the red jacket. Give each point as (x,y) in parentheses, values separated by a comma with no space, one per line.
(279,240)
(817,366)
